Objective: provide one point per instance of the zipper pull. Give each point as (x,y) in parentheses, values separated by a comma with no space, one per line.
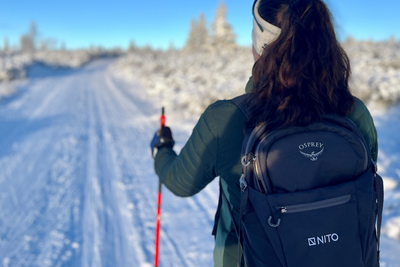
(284,210)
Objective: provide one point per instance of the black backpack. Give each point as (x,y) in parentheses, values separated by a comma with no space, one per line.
(310,196)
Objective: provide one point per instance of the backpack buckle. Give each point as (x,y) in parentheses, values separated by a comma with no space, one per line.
(247,160)
(375,166)
(243,183)
(274,225)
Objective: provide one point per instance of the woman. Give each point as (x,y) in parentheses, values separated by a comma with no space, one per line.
(301,73)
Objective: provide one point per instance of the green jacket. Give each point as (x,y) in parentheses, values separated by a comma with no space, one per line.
(213,150)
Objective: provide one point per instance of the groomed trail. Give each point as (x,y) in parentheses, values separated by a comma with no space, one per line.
(77,184)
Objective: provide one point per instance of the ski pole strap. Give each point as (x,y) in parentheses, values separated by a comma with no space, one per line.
(380,199)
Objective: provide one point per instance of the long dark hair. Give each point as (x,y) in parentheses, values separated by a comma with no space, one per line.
(304,73)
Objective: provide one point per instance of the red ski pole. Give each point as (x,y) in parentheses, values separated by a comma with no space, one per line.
(158,218)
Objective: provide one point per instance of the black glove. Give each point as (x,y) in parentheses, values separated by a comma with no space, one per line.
(162,138)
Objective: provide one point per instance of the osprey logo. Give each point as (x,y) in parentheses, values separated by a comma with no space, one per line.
(320,240)
(313,156)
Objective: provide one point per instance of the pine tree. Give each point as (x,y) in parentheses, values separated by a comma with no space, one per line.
(392,39)
(33,34)
(202,34)
(171,46)
(43,45)
(26,44)
(198,39)
(28,41)
(223,36)
(132,47)
(191,43)
(6,46)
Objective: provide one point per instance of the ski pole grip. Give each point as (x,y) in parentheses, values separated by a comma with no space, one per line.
(162,117)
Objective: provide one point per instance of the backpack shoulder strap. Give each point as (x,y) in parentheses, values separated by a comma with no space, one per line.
(346,123)
(380,198)
(241,102)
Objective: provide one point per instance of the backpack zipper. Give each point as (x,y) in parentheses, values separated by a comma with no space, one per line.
(257,166)
(315,205)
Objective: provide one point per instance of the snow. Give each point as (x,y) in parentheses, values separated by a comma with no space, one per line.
(7,89)
(187,83)
(174,79)
(77,184)
(14,64)
(376,70)
(388,125)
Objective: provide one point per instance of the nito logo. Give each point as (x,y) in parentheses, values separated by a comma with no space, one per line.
(320,240)
(313,156)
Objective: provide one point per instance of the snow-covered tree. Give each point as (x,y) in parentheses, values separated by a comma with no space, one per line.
(50,44)
(43,46)
(171,46)
(191,43)
(33,33)
(198,39)
(202,33)
(349,42)
(223,36)
(392,39)
(147,48)
(132,47)
(6,46)
(26,43)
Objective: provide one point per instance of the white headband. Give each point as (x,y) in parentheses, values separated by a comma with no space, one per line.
(266,35)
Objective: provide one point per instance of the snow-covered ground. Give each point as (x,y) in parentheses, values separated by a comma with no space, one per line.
(387,122)
(15,64)
(77,185)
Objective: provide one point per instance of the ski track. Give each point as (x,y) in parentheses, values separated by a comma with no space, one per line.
(77,184)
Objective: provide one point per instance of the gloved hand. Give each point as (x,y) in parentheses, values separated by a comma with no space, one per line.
(162,138)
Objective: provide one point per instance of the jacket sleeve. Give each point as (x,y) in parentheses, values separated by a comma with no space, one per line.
(196,166)
(363,119)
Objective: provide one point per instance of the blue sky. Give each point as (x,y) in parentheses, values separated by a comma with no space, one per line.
(158,22)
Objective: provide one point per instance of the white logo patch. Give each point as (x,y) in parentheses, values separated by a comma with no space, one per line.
(321,240)
(313,156)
